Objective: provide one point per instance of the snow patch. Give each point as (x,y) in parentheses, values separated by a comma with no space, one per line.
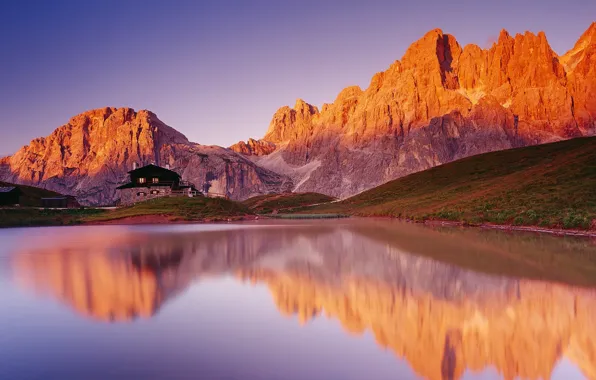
(276,163)
(305,172)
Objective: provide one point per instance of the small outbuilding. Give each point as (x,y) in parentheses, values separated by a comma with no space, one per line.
(67,201)
(10,195)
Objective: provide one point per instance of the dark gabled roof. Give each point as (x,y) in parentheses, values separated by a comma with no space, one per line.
(8,189)
(132,185)
(152,169)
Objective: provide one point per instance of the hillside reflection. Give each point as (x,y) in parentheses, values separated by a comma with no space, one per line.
(442,318)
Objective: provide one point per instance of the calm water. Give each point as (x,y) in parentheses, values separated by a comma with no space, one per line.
(346,299)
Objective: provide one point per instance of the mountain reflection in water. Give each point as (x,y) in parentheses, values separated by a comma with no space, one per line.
(370,276)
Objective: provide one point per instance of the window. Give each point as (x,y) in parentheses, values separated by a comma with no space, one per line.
(153,192)
(141,194)
(155,180)
(142,180)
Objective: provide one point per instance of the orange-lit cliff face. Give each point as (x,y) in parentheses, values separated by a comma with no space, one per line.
(441,102)
(522,336)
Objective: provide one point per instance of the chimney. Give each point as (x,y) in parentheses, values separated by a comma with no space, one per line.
(134,166)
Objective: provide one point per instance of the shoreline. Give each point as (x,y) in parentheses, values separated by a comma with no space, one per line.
(506,227)
(161,219)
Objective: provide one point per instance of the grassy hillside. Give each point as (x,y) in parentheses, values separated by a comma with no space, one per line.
(552,185)
(266,204)
(173,209)
(178,208)
(31,195)
(34,217)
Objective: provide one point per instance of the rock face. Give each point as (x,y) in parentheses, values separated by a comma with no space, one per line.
(254,147)
(90,156)
(441,102)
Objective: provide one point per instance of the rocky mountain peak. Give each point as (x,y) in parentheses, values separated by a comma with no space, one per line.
(348,93)
(427,46)
(590,33)
(254,147)
(440,102)
(583,46)
(304,108)
(503,36)
(289,122)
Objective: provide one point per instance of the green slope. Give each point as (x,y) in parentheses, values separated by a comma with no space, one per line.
(551,185)
(178,208)
(266,204)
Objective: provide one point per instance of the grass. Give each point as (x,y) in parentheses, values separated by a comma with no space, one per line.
(29,215)
(267,204)
(550,185)
(34,217)
(31,196)
(175,208)
(178,208)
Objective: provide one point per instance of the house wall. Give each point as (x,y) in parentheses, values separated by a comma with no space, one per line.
(130,196)
(9,199)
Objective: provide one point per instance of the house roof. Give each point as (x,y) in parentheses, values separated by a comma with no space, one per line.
(153,169)
(131,185)
(8,189)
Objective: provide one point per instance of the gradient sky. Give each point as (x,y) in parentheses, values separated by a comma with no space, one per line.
(218,70)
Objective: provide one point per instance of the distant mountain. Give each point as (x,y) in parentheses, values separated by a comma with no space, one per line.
(90,155)
(441,102)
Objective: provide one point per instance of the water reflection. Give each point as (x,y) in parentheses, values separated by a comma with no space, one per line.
(442,318)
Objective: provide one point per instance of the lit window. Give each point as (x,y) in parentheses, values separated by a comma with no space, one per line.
(154,192)
(141,194)
(155,180)
(142,180)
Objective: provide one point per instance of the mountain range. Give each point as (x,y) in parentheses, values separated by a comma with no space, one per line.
(439,103)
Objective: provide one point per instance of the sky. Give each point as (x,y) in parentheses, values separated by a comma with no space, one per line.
(218,70)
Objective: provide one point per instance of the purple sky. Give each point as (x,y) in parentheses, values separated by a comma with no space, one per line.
(218,70)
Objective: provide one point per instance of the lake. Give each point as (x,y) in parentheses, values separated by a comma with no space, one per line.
(331,299)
